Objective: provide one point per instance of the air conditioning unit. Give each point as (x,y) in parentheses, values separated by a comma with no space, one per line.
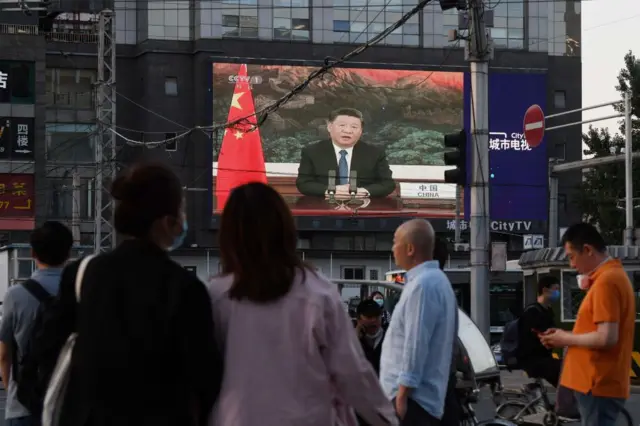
(461,247)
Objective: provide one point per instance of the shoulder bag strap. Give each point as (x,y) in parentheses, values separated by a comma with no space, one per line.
(80,275)
(535,306)
(36,290)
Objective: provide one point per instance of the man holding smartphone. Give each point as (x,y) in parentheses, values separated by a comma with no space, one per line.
(533,357)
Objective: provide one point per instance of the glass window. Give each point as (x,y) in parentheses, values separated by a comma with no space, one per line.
(302,35)
(17,82)
(498,33)
(559,99)
(291,29)
(341,26)
(173,145)
(61,191)
(353,272)
(393,39)
(374,274)
(65,198)
(515,33)
(376,29)
(241,22)
(411,29)
(25,268)
(171,86)
(248,22)
(500,42)
(70,142)
(515,8)
(358,27)
(299,24)
(515,43)
(282,23)
(230,21)
(506,299)
(411,40)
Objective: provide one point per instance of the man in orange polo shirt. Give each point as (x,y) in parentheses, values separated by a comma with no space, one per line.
(598,358)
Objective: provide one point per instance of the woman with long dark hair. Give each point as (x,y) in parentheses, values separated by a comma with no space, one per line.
(290,349)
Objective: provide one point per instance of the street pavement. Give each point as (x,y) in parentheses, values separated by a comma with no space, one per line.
(485,409)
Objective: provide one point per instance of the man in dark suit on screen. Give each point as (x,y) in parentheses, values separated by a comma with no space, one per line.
(344,153)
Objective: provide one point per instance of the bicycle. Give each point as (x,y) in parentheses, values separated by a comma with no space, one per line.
(468,391)
(533,406)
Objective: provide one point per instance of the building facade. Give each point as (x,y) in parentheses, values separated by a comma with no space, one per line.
(164,54)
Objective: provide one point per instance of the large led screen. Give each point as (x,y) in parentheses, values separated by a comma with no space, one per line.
(356,141)
(518,177)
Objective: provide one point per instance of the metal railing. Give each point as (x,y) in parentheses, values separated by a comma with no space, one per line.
(19,29)
(73,100)
(71,37)
(54,36)
(370,283)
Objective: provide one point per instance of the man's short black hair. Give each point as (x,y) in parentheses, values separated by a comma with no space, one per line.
(368,308)
(441,251)
(546,282)
(51,243)
(580,234)
(349,112)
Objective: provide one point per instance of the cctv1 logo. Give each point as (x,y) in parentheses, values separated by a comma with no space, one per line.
(253,79)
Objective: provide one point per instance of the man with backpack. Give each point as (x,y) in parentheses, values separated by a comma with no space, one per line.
(533,357)
(520,344)
(25,305)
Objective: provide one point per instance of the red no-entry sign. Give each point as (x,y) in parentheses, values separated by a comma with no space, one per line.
(534,125)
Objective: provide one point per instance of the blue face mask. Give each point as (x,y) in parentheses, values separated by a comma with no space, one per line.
(555,295)
(177,242)
(379,301)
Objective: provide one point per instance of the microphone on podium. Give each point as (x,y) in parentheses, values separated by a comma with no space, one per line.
(331,186)
(353,184)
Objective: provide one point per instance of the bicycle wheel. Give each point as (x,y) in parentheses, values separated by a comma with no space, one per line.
(512,410)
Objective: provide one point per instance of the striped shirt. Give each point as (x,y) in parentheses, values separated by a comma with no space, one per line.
(417,349)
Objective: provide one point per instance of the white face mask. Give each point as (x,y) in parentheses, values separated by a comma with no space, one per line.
(583,281)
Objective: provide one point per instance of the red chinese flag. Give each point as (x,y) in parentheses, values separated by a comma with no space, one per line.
(241,159)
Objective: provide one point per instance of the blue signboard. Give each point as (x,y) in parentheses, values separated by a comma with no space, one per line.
(518,178)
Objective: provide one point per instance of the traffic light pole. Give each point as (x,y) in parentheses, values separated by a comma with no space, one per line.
(478,53)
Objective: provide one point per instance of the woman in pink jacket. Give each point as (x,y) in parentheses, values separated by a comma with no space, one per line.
(291,355)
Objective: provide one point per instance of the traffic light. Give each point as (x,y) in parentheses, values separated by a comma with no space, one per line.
(450,4)
(456,156)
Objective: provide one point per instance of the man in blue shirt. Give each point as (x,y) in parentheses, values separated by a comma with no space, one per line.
(50,248)
(417,350)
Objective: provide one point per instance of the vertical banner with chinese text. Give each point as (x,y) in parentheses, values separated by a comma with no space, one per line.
(16,138)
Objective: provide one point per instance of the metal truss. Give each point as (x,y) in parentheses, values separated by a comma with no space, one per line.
(105,138)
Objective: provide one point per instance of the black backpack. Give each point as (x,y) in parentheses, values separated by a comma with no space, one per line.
(510,341)
(25,370)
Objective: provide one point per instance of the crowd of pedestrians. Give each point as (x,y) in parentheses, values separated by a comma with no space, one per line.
(130,337)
